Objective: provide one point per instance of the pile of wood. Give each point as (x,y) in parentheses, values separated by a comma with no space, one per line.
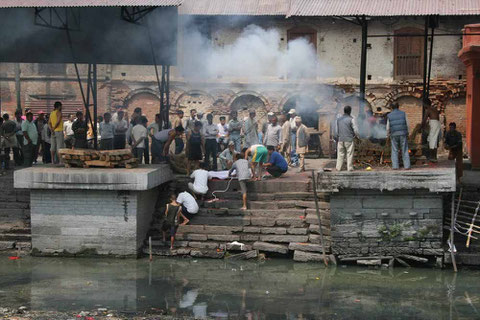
(86,158)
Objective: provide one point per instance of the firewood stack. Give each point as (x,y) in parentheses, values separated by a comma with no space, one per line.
(86,158)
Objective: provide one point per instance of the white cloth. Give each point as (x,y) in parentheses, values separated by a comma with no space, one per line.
(155,126)
(200,184)
(162,135)
(434,133)
(121,126)
(138,132)
(222,175)
(67,128)
(222,130)
(188,201)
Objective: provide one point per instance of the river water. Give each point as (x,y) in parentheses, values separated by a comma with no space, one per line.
(274,289)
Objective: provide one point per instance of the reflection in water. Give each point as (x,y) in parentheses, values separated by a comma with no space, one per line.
(246,290)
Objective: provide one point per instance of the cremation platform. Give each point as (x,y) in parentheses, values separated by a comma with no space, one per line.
(95,210)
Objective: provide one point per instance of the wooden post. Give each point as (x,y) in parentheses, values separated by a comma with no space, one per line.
(150,247)
(314,182)
(452,228)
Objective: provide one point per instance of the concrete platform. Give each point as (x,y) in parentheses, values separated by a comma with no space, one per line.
(94,211)
(57,177)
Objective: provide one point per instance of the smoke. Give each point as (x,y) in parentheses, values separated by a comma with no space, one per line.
(256,52)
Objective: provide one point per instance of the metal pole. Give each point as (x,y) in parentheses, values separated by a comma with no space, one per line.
(314,182)
(452,226)
(94,97)
(363,58)
(167,97)
(162,98)
(430,61)
(425,62)
(17,86)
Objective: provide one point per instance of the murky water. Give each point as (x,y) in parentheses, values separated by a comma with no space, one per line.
(273,289)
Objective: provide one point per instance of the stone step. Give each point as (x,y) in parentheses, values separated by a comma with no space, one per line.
(268,186)
(186,251)
(15,205)
(7,245)
(258,196)
(15,237)
(275,204)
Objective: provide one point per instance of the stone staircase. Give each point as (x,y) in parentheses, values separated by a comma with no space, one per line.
(280,221)
(14,215)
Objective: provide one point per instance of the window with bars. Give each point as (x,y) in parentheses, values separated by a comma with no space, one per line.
(408,54)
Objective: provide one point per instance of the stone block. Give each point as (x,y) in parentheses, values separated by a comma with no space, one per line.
(223,237)
(221,229)
(193,236)
(302,256)
(386,202)
(264,222)
(46,230)
(290,222)
(270,247)
(69,231)
(302,246)
(315,229)
(251,229)
(297,231)
(203,245)
(249,237)
(207,254)
(274,231)
(315,238)
(339,202)
(433,252)
(428,203)
(7,245)
(283,238)
(191,229)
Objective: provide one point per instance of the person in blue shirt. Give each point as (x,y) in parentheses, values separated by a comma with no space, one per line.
(276,165)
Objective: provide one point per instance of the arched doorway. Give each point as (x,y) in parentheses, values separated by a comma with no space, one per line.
(198,100)
(149,103)
(306,107)
(243,103)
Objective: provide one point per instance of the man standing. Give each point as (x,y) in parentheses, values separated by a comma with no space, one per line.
(152,130)
(234,128)
(121,128)
(190,123)
(39,123)
(242,171)
(273,133)
(18,152)
(68,132)
(302,142)
(276,165)
(293,138)
(30,139)
(79,128)
(55,124)
(222,134)
(250,130)
(178,122)
(211,132)
(285,136)
(107,131)
(454,144)
(432,115)
(397,130)
(346,131)
(139,138)
(7,132)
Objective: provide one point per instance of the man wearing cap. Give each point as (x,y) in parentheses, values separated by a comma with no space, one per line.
(273,133)
(250,130)
(227,156)
(293,140)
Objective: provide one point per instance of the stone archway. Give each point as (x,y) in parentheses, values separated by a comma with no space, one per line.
(146,99)
(244,101)
(195,99)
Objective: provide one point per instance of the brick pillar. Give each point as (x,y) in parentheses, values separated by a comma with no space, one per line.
(470,55)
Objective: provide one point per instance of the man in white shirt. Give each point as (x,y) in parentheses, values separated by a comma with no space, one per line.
(68,132)
(200,183)
(211,133)
(107,130)
(189,205)
(222,134)
(121,128)
(139,138)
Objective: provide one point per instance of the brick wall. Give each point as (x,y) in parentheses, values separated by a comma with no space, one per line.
(388,223)
(108,222)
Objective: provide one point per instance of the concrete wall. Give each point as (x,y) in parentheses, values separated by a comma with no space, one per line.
(108,222)
(389,223)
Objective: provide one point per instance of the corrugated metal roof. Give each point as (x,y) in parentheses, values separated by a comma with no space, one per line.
(86,3)
(383,7)
(235,7)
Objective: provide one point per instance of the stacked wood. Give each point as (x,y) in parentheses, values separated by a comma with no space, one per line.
(86,158)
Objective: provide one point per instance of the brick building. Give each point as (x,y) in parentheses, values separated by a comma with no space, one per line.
(394,64)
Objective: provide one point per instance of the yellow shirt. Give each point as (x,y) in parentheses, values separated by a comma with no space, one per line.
(53,120)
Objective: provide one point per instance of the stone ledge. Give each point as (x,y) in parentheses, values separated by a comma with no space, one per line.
(55,177)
